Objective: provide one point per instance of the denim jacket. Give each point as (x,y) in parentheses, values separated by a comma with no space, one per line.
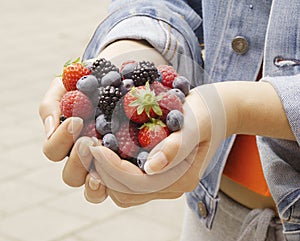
(239,36)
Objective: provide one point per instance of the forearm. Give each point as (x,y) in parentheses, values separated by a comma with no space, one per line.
(254,108)
(130,49)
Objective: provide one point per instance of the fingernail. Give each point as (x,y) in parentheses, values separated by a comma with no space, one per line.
(95,140)
(156,163)
(94,184)
(75,125)
(49,126)
(83,149)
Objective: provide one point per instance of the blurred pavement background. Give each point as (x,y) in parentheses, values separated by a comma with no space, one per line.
(37,38)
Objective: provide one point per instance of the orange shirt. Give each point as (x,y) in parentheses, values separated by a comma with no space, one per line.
(244,167)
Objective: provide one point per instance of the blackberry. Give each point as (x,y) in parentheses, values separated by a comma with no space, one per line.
(143,72)
(101,67)
(108,99)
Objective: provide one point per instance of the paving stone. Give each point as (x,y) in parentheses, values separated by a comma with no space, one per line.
(40,36)
(76,204)
(17,196)
(40,224)
(128,227)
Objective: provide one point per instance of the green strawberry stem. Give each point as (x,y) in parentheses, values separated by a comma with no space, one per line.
(146,100)
(153,123)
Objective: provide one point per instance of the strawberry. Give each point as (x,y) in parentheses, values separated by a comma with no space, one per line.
(72,72)
(127,137)
(168,74)
(141,104)
(152,133)
(158,87)
(169,102)
(75,103)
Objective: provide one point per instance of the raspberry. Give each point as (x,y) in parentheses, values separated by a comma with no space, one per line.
(75,103)
(168,74)
(127,137)
(158,87)
(169,102)
(89,130)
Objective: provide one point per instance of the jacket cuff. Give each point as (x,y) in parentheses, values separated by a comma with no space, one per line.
(288,89)
(167,31)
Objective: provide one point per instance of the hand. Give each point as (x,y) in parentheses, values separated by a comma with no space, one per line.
(185,183)
(186,149)
(61,138)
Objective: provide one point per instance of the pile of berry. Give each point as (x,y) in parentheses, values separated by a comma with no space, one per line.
(130,109)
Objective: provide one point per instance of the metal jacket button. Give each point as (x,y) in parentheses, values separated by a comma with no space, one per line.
(240,45)
(202,209)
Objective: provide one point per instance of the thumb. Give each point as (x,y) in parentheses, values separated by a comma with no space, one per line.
(204,122)
(177,146)
(49,109)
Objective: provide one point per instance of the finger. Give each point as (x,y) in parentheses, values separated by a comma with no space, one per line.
(79,163)
(94,191)
(49,109)
(103,154)
(177,146)
(190,180)
(59,144)
(125,200)
(172,150)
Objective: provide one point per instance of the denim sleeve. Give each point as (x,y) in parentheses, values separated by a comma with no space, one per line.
(288,89)
(168,25)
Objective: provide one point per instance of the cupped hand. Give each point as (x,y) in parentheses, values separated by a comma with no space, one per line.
(59,138)
(175,165)
(121,192)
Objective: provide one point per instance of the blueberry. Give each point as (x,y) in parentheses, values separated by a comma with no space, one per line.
(103,124)
(111,78)
(128,70)
(174,120)
(126,86)
(178,93)
(182,83)
(141,159)
(62,118)
(94,97)
(159,78)
(87,84)
(98,112)
(110,141)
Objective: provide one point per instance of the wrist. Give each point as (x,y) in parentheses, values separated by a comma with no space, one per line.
(253,108)
(230,96)
(212,109)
